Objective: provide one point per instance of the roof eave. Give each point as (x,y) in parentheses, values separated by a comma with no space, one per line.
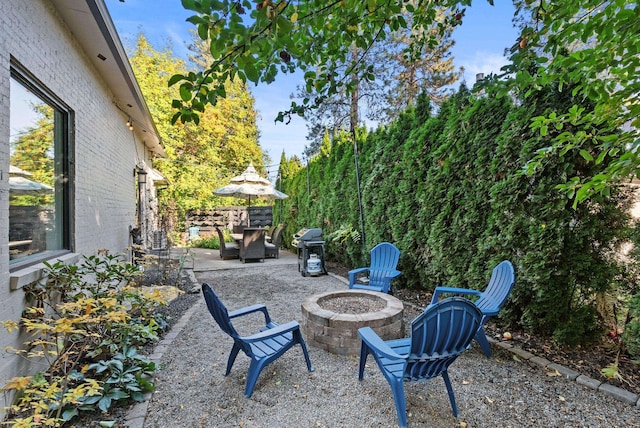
(91,24)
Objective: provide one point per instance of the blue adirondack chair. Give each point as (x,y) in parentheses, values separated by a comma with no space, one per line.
(384,259)
(263,347)
(438,336)
(489,301)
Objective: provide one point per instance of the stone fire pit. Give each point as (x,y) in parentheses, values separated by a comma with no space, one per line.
(331,320)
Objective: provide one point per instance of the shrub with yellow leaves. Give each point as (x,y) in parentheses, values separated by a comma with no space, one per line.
(85,322)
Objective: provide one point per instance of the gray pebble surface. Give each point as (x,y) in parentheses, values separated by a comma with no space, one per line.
(192,391)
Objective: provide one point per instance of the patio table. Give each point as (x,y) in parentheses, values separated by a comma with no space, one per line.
(238,237)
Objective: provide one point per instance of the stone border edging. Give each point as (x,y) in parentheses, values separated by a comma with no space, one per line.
(610,390)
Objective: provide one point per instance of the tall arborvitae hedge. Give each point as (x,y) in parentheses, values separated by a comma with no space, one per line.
(566,256)
(447,189)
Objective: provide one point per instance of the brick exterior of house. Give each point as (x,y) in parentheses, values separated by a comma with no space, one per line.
(105,151)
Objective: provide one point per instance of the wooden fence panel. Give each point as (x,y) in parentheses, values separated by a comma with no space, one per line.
(227,217)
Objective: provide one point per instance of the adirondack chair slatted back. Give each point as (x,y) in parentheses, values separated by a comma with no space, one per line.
(263,348)
(498,289)
(439,335)
(219,312)
(488,301)
(384,259)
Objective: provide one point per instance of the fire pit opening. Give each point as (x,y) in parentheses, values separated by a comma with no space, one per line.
(331,320)
(352,304)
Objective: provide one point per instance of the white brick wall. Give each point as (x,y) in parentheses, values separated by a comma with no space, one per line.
(105,153)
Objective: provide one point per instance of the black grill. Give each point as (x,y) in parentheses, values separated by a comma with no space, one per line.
(309,241)
(307,234)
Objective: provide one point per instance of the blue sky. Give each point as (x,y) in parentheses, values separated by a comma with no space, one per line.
(480,42)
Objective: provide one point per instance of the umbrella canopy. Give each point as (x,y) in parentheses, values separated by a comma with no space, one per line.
(250,184)
(23,186)
(14,171)
(249,190)
(250,175)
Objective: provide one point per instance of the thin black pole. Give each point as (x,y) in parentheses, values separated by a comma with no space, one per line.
(280,186)
(355,154)
(308,180)
(354,116)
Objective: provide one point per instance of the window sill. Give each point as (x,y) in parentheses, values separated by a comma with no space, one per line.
(31,274)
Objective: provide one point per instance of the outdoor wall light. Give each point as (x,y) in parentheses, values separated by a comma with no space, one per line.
(130,124)
(142,175)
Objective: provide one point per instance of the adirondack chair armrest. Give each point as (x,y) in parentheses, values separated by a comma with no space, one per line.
(249,310)
(378,345)
(278,330)
(453,290)
(357,271)
(353,274)
(394,274)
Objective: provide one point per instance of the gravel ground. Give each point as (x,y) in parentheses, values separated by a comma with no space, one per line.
(192,391)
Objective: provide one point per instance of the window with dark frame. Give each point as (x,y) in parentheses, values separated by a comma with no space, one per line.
(39,180)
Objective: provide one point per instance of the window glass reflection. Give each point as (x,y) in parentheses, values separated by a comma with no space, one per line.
(32,175)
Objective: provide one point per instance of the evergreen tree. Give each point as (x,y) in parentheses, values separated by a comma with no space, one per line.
(32,152)
(388,84)
(449,191)
(402,79)
(567,257)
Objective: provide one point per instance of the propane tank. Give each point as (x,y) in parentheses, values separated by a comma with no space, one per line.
(314,267)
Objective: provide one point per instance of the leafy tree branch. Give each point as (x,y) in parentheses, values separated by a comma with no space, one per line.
(591,46)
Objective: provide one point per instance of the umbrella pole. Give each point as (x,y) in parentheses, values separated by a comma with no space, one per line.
(248,213)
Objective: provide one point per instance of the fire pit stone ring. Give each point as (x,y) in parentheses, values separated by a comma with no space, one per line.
(331,320)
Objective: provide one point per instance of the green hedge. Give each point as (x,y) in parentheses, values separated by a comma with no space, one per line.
(447,189)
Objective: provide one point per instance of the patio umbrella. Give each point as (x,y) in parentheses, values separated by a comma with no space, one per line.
(250,175)
(14,171)
(19,184)
(23,186)
(250,184)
